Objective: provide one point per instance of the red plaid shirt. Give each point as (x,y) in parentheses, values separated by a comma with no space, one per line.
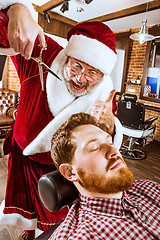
(135,216)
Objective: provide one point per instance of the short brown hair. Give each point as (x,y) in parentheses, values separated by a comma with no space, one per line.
(62,147)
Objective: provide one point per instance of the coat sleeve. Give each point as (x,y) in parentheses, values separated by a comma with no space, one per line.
(7,3)
(3,30)
(5,48)
(114,106)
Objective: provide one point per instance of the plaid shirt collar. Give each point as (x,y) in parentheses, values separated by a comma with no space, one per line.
(102,206)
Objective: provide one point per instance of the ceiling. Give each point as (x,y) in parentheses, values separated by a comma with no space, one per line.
(119,15)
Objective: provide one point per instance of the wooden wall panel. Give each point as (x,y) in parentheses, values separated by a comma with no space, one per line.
(55,27)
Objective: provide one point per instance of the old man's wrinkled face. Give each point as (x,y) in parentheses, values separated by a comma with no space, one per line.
(80,78)
(98,163)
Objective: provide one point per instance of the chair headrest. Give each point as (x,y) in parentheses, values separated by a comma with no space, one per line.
(130,97)
(55,191)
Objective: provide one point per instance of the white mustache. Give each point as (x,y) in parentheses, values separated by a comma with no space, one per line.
(74,79)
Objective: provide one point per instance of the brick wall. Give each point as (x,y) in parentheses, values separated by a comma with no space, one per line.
(12,77)
(136,58)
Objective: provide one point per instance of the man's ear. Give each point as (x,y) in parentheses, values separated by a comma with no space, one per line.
(67,171)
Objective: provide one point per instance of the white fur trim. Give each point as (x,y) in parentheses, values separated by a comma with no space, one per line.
(7,51)
(6,3)
(16,219)
(42,143)
(91,51)
(119,134)
(57,94)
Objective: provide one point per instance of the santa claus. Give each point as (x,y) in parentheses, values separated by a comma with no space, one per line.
(84,67)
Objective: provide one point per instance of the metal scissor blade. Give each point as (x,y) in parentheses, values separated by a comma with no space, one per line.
(41,76)
(49,70)
(37,60)
(46,67)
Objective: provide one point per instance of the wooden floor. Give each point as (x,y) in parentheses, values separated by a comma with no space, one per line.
(148,168)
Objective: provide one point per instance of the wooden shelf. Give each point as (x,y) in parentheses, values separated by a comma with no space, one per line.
(152,108)
(150,99)
(139,84)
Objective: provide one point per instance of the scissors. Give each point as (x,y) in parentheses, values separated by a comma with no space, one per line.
(42,65)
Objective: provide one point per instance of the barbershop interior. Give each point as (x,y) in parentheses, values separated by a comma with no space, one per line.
(135,76)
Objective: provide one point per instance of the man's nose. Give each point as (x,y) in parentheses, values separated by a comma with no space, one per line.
(81,77)
(111,151)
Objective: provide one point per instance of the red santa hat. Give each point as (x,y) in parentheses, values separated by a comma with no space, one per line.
(93,43)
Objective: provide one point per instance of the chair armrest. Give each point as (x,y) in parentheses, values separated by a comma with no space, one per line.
(11,112)
(149,122)
(45,235)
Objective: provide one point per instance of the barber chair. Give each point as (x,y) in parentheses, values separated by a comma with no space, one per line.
(8,110)
(55,193)
(138,131)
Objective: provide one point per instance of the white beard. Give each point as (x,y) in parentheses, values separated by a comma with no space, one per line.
(87,90)
(67,80)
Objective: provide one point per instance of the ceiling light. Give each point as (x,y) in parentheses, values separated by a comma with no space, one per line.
(47,17)
(65,6)
(80,9)
(142,35)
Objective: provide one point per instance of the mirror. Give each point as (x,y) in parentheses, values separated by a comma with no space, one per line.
(151,75)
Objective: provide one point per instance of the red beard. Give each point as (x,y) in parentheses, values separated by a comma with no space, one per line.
(121,181)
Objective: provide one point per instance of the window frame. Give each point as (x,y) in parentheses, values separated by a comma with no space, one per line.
(119,37)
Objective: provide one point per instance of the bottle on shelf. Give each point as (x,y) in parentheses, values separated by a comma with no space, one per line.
(138,80)
(122,96)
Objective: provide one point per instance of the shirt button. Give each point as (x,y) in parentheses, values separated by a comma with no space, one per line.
(143,220)
(120,214)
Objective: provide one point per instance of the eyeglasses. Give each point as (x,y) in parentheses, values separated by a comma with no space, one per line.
(78,68)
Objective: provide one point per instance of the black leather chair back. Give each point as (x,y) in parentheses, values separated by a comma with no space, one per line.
(131,113)
(56,192)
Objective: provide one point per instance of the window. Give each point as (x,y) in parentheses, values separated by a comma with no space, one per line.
(118,74)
